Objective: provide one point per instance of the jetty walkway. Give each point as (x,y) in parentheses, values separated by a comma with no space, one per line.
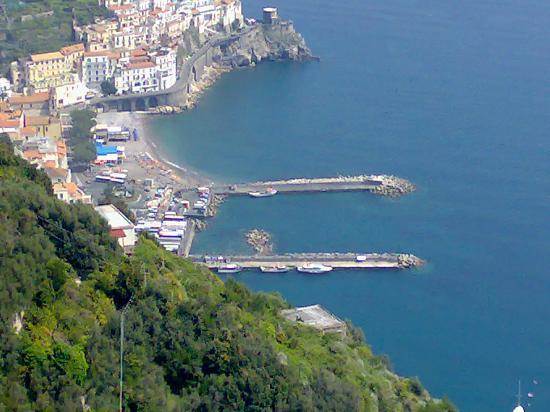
(378,184)
(338,261)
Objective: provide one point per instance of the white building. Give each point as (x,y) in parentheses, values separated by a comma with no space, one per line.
(68,95)
(138,77)
(97,67)
(165,60)
(121,227)
(5,88)
(142,73)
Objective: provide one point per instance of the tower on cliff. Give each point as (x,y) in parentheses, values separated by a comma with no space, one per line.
(270,15)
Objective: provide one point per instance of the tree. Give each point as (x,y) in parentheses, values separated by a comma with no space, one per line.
(80,138)
(108,88)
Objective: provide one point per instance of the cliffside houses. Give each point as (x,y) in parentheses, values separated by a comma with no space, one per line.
(38,139)
(135,50)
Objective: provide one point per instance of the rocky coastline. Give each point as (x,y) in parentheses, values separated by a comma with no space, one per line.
(268,42)
(262,42)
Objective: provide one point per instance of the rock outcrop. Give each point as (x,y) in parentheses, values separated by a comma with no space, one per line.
(260,241)
(271,42)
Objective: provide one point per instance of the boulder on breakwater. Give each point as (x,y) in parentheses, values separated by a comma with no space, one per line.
(260,241)
(392,186)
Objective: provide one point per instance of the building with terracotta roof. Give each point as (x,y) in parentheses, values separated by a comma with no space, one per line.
(37,102)
(45,70)
(43,126)
(70,193)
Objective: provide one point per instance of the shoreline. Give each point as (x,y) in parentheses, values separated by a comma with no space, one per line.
(182,174)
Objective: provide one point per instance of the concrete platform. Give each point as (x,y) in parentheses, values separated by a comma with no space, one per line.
(315,316)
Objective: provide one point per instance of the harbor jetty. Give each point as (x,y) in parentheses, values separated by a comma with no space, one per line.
(338,261)
(378,184)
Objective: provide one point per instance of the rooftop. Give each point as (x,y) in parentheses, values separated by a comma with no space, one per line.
(114,217)
(75,48)
(35,98)
(37,120)
(46,56)
(141,65)
(315,316)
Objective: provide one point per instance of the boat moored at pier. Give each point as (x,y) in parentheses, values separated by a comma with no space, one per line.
(230,268)
(315,268)
(275,269)
(266,193)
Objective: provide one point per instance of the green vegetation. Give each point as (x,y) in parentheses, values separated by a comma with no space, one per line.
(80,139)
(192,343)
(30,31)
(108,88)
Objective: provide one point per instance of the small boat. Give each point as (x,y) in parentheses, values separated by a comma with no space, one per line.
(274,269)
(266,193)
(314,268)
(230,268)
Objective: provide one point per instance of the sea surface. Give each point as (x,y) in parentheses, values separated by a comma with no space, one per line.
(453,95)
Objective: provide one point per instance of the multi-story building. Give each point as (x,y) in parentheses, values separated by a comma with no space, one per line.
(45,70)
(98,66)
(43,126)
(73,55)
(136,77)
(143,72)
(68,95)
(165,61)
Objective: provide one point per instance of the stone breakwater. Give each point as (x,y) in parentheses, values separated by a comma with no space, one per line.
(384,185)
(392,186)
(214,204)
(260,241)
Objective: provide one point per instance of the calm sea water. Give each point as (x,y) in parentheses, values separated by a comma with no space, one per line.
(455,97)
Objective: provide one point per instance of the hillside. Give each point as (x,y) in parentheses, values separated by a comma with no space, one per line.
(192,342)
(41,26)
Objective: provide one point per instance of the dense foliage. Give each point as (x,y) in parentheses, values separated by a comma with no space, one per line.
(80,137)
(31,28)
(191,343)
(107,88)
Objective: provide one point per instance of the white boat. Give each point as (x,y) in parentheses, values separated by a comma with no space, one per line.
(274,269)
(266,193)
(314,268)
(230,268)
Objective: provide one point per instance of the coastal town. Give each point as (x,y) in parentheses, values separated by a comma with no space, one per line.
(150,48)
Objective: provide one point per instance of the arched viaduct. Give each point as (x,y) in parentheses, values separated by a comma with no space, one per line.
(190,72)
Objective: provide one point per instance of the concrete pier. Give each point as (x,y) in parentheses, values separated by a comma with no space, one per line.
(379,184)
(187,240)
(338,261)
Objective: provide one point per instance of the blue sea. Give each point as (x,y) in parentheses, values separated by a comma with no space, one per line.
(454,96)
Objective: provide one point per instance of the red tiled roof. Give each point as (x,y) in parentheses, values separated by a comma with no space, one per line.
(35,98)
(141,65)
(75,48)
(117,233)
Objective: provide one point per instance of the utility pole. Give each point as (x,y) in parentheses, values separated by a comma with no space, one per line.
(122,353)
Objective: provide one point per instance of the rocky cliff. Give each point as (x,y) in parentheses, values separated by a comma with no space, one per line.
(278,41)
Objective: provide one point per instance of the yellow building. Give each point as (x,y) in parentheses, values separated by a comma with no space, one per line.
(73,55)
(47,70)
(44,126)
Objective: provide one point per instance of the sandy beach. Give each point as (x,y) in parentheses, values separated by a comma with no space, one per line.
(143,158)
